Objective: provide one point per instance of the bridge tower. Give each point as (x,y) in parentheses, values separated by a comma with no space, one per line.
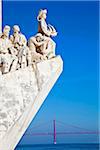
(54,133)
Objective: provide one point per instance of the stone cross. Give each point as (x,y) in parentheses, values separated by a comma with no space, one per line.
(0,16)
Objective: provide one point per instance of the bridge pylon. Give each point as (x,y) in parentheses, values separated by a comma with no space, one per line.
(54,133)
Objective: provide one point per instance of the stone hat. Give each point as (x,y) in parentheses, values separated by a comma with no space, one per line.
(7,27)
(41,12)
(16,28)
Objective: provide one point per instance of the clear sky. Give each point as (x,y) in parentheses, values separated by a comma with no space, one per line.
(74,98)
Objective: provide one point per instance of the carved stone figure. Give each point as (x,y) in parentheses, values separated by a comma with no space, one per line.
(5,61)
(36,45)
(43,28)
(48,48)
(47,31)
(42,47)
(24,57)
(20,43)
(5,44)
(18,39)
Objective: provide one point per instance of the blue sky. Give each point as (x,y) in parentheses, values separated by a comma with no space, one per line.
(74,98)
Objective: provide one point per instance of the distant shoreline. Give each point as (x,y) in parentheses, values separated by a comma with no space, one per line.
(31,145)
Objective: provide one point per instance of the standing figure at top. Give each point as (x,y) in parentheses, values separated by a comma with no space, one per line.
(43,28)
(47,31)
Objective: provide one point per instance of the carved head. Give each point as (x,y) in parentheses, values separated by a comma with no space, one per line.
(42,14)
(6,31)
(16,29)
(39,37)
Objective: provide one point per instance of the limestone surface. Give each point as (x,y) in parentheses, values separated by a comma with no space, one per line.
(23,91)
(17,89)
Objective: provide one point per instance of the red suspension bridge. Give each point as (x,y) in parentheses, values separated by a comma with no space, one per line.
(55,132)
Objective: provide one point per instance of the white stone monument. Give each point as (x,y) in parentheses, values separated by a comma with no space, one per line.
(28,71)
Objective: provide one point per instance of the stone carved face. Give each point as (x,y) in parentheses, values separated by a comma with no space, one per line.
(44,16)
(16,29)
(39,39)
(6,31)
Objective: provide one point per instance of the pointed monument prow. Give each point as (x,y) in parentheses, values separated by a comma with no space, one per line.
(28,71)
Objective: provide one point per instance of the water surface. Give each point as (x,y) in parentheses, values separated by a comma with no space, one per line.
(59,147)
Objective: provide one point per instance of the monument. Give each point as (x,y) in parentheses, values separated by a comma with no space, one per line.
(28,71)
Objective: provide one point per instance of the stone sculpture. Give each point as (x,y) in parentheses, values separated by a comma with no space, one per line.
(19,42)
(16,52)
(18,39)
(28,70)
(37,45)
(47,30)
(5,57)
(41,45)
